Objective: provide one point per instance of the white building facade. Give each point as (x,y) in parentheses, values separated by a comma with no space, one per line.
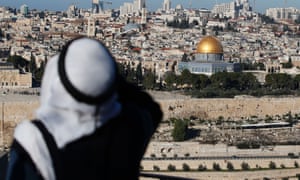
(167,5)
(233,9)
(283,13)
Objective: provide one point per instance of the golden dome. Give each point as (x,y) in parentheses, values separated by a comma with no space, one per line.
(209,45)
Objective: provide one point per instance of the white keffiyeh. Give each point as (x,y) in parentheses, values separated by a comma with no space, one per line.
(91,70)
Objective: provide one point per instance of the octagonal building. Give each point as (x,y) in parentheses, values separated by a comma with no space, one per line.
(208,58)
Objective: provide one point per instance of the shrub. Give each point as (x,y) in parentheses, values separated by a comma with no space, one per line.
(171,167)
(202,167)
(282,166)
(296,164)
(216,166)
(185,167)
(230,166)
(180,130)
(272,165)
(187,154)
(247,145)
(156,168)
(245,166)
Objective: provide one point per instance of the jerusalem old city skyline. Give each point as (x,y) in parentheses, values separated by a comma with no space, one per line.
(226,74)
(261,6)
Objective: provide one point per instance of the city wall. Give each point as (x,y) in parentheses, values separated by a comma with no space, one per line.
(13,111)
(234,108)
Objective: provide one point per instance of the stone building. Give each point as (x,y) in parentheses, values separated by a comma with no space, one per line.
(273,67)
(209,59)
(13,78)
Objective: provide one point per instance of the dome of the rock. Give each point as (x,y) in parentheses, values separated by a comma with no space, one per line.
(209,45)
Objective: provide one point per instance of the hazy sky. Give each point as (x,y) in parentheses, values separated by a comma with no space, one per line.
(260,6)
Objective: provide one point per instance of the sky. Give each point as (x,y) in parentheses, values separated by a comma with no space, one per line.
(152,5)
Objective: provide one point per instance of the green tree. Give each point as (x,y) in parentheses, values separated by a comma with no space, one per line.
(186,77)
(202,167)
(186,167)
(18,61)
(139,73)
(149,80)
(156,168)
(170,79)
(204,32)
(221,80)
(247,81)
(288,65)
(272,165)
(184,57)
(296,164)
(230,166)
(171,167)
(245,166)
(131,75)
(40,72)
(279,81)
(32,64)
(203,82)
(216,166)
(297,81)
(121,69)
(180,130)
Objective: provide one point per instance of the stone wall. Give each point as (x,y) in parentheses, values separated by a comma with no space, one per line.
(234,108)
(195,149)
(13,110)
(13,79)
(12,113)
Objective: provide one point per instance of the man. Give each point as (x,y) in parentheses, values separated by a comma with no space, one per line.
(91,124)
